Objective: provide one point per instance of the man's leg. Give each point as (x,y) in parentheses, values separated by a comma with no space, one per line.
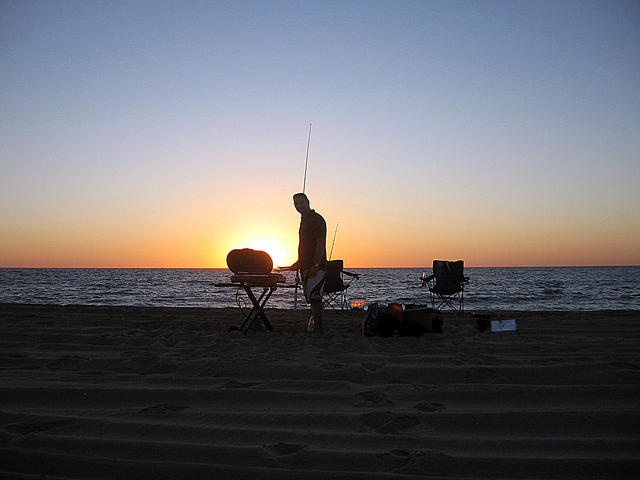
(317,311)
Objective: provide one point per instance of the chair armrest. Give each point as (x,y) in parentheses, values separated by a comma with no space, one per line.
(355,275)
(427,281)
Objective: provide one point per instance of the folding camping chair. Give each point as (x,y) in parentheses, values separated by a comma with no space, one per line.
(446,285)
(336,285)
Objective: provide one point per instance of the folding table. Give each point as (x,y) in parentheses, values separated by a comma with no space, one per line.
(268,282)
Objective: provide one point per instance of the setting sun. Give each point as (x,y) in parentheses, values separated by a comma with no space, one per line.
(282,250)
(277,235)
(280,254)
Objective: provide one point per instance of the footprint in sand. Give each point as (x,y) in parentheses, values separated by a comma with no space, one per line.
(26,428)
(371,399)
(66,361)
(151,365)
(388,422)
(332,366)
(550,361)
(488,360)
(373,367)
(429,406)
(480,374)
(421,462)
(624,365)
(284,449)
(161,410)
(236,384)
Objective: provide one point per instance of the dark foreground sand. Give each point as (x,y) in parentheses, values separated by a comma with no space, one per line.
(167,393)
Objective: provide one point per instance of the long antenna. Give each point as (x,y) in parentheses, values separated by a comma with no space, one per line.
(306,160)
(334,240)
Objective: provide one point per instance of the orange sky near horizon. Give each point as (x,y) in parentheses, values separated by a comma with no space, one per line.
(202,238)
(387,250)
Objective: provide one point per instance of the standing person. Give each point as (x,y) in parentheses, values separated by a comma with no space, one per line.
(312,258)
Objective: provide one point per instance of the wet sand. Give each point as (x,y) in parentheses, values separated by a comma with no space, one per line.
(168,393)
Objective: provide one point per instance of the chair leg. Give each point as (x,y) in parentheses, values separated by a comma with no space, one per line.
(331,301)
(444,301)
(336,300)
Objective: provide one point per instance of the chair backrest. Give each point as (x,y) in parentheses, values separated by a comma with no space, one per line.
(333,279)
(449,276)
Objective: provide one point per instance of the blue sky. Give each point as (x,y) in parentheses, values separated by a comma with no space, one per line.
(510,117)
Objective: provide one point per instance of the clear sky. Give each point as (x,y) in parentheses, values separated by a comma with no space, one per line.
(164,134)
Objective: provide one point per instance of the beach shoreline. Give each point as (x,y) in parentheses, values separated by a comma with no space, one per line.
(168,392)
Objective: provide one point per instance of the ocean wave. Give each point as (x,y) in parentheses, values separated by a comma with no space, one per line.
(552,291)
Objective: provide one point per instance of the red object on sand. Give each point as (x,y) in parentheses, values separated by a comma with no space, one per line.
(396,307)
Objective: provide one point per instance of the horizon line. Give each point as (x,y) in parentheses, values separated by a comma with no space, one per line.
(372,267)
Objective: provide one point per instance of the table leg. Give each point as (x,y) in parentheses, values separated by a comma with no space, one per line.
(255,306)
(258,308)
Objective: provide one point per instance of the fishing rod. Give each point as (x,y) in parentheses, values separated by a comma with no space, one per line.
(304,185)
(334,240)
(306,160)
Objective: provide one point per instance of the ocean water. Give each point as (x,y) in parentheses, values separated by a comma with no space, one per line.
(532,288)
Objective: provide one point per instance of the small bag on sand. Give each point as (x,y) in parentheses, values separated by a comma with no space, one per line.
(421,318)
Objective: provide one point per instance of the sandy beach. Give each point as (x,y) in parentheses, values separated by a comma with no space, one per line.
(168,393)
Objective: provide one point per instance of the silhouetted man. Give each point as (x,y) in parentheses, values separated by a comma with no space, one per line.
(312,258)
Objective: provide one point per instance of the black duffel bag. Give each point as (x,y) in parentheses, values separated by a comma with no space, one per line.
(378,322)
(385,321)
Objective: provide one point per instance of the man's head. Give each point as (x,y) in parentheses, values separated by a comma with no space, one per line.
(301,202)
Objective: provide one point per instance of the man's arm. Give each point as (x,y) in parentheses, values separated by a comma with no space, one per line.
(319,251)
